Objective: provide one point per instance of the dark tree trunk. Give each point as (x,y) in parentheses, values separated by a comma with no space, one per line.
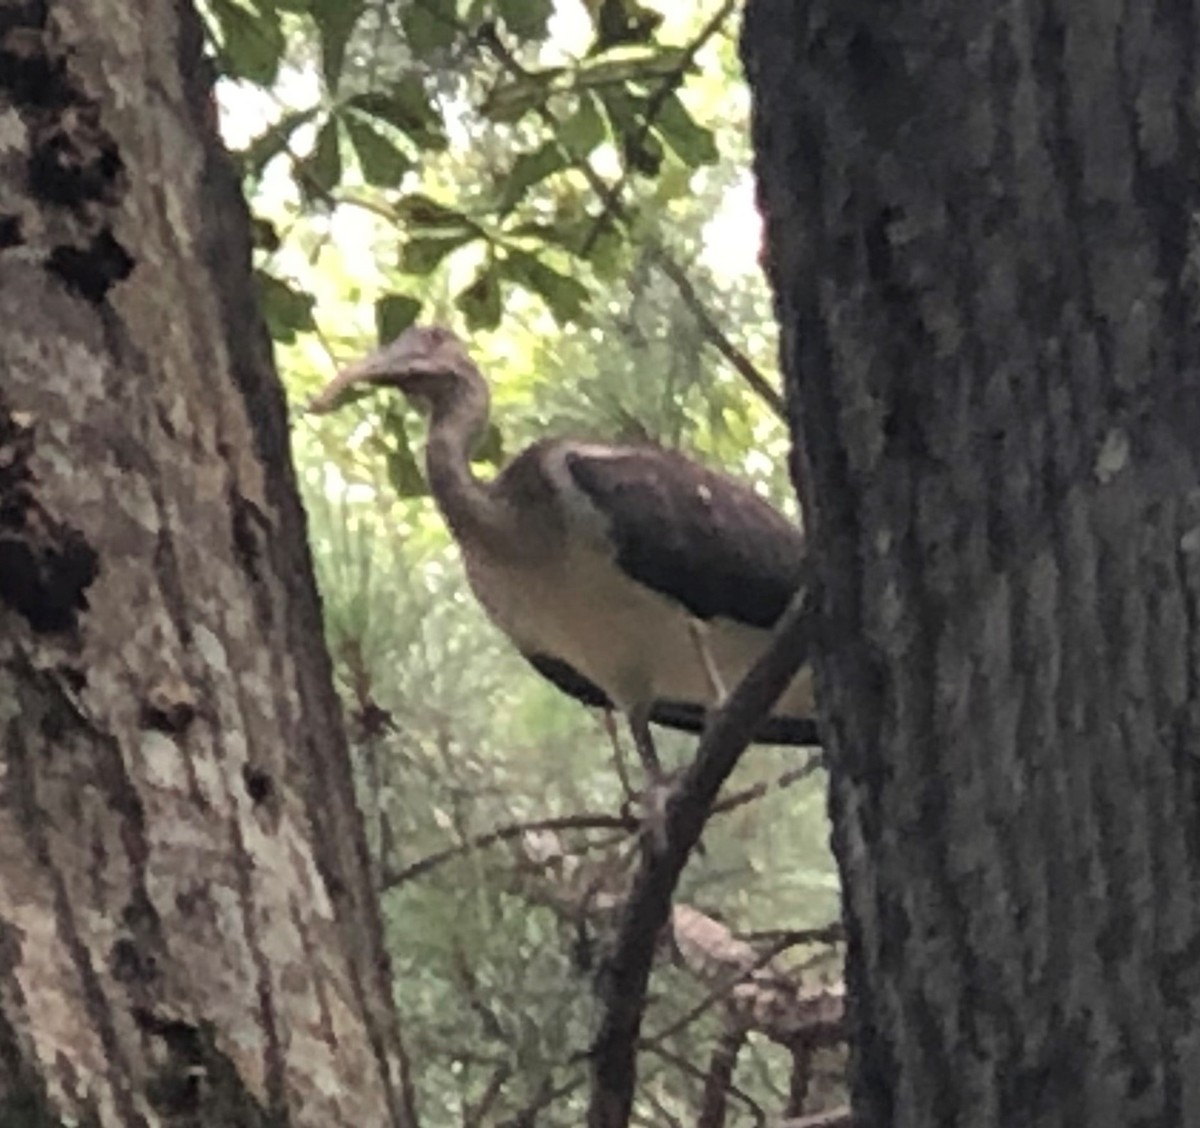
(981,224)
(188,933)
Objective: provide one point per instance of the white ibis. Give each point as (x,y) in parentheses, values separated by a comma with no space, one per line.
(629,576)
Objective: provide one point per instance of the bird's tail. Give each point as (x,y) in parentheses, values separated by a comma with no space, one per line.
(682,715)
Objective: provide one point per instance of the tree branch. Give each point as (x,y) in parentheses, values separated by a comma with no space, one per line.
(625,978)
(719,1078)
(502,834)
(834,1118)
(655,104)
(715,335)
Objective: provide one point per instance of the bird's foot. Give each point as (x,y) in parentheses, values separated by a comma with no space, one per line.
(649,807)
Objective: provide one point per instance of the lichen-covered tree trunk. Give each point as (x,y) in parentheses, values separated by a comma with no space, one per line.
(188,933)
(982,233)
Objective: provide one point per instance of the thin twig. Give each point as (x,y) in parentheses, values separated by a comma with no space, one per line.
(834,1118)
(714,996)
(719,1078)
(587,821)
(689,1067)
(759,790)
(627,973)
(713,333)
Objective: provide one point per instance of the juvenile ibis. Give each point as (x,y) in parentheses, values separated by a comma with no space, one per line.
(629,576)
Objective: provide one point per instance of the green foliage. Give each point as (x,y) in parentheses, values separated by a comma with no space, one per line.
(286,309)
(250,41)
(563,118)
(527,19)
(382,161)
(393,314)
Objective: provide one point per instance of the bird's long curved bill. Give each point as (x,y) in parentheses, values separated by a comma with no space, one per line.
(351,383)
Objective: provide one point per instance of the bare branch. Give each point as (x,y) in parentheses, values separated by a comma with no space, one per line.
(626,975)
(767,998)
(834,1118)
(719,1079)
(715,995)
(715,335)
(758,790)
(682,1063)
(587,821)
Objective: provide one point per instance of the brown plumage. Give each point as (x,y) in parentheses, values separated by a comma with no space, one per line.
(628,576)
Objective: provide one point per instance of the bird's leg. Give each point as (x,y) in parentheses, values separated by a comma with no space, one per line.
(715,683)
(655,821)
(610,727)
(639,726)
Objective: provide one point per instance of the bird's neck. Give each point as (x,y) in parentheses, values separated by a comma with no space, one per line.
(457,425)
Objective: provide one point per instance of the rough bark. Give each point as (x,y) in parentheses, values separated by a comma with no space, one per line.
(188,933)
(981,223)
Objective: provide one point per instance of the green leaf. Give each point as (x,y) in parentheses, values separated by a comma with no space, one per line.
(383,164)
(264,235)
(633,64)
(573,233)
(526,18)
(472,13)
(565,296)
(491,447)
(403,470)
(643,152)
(287,311)
(429,25)
(479,303)
(604,253)
(406,106)
(322,169)
(584,129)
(252,43)
(529,168)
(423,254)
(393,314)
(673,183)
(274,140)
(623,21)
(692,143)
(419,210)
(508,101)
(335,20)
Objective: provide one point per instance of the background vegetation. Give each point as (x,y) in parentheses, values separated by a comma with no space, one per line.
(567,185)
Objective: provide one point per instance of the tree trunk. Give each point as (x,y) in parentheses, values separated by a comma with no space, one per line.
(981,222)
(188,933)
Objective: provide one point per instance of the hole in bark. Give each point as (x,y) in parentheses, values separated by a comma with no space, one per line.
(129,965)
(45,583)
(92,271)
(168,716)
(10,231)
(258,784)
(71,168)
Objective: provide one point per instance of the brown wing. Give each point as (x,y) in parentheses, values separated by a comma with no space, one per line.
(694,535)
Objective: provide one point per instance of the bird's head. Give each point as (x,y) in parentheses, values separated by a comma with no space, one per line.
(428,363)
